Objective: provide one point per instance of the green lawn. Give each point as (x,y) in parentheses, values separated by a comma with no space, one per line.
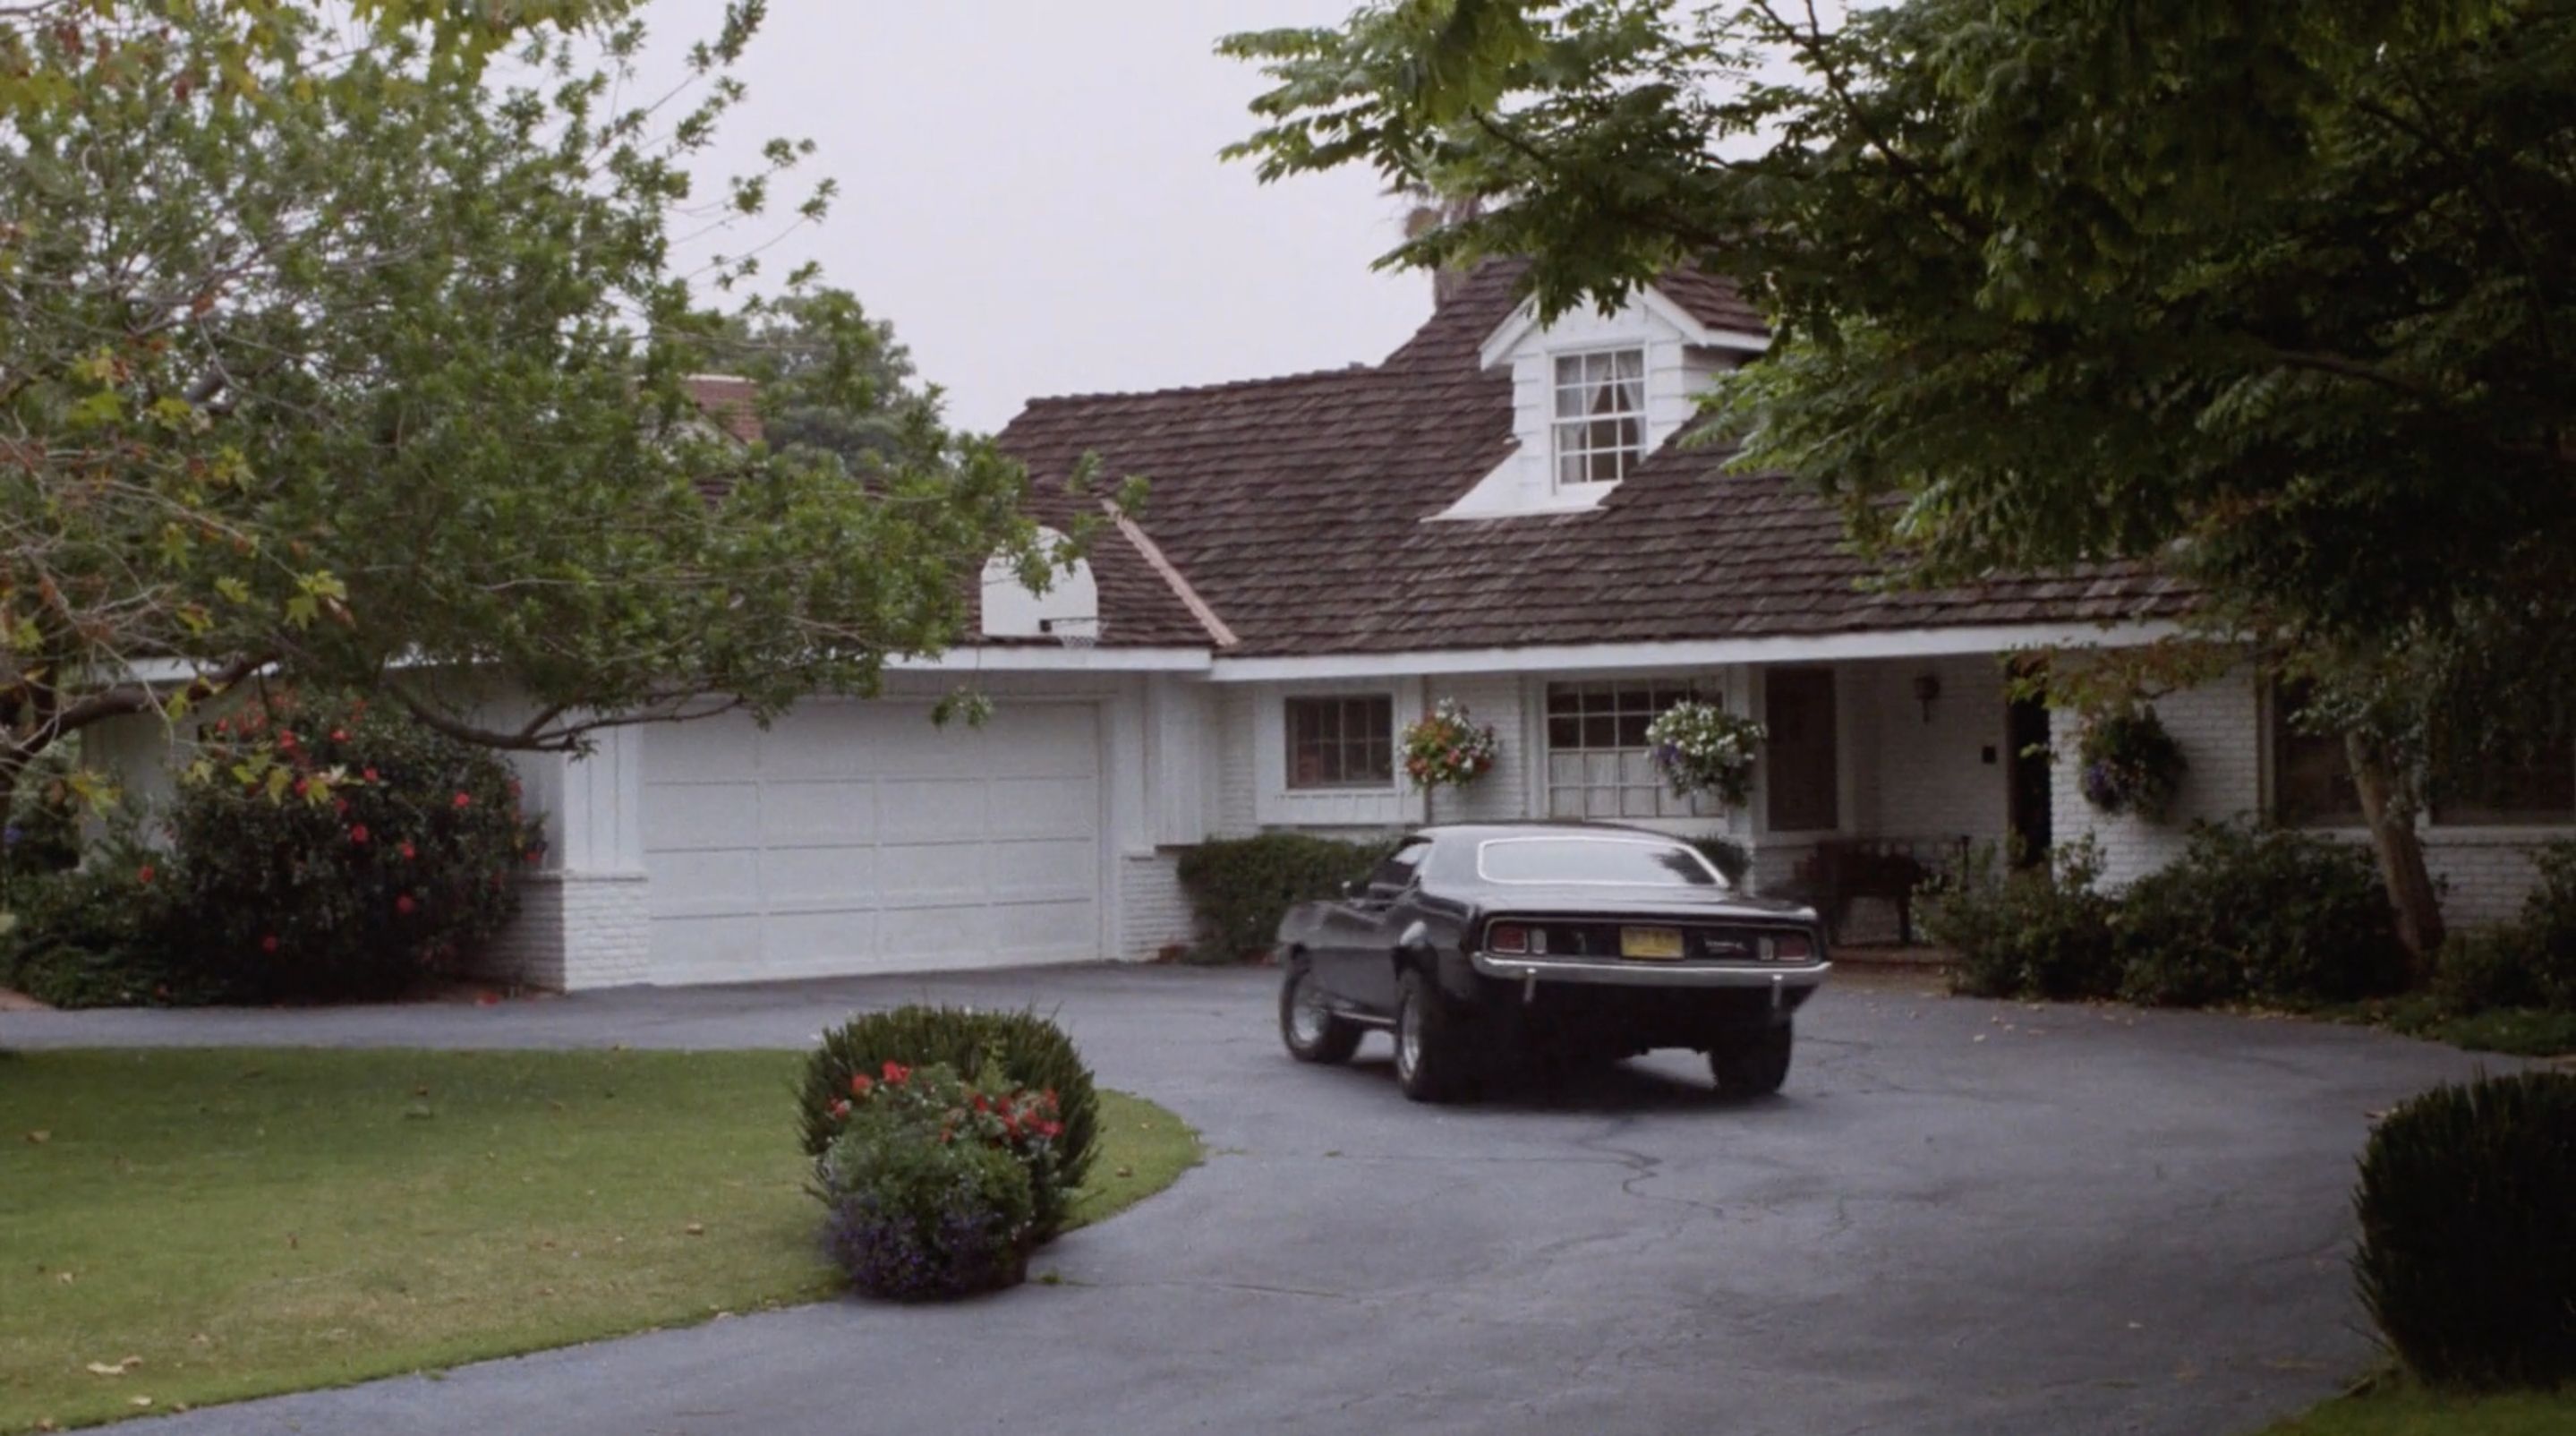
(2514,1031)
(2401,1410)
(211,1225)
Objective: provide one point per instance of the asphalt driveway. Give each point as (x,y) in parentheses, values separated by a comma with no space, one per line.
(1961,1217)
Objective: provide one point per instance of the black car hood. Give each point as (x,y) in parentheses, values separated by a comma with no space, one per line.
(1620,900)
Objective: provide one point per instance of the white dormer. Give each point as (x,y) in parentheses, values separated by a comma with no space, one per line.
(1592,395)
(1068,608)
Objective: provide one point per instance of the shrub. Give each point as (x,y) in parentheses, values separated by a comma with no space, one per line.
(1240,888)
(2467,1259)
(1003,1050)
(2259,913)
(2042,931)
(916,1208)
(98,936)
(322,849)
(1731,858)
(2548,927)
(2483,971)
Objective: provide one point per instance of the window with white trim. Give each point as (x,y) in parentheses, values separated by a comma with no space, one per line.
(1341,742)
(1600,424)
(1598,764)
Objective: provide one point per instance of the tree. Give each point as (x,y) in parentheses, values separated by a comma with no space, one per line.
(344,340)
(783,342)
(2272,297)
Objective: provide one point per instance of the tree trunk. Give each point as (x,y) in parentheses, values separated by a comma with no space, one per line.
(2388,806)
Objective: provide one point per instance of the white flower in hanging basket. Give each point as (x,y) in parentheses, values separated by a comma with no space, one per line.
(1702,748)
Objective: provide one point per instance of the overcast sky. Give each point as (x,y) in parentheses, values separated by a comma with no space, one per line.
(1030,191)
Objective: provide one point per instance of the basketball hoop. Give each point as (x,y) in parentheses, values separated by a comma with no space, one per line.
(1074,632)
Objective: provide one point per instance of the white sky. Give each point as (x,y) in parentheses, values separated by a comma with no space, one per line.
(1030,191)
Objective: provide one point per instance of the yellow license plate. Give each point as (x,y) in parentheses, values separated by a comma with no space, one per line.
(1658,942)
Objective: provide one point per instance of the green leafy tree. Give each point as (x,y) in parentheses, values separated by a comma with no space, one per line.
(787,342)
(2271,297)
(346,339)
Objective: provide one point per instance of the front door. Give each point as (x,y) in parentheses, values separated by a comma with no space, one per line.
(2027,731)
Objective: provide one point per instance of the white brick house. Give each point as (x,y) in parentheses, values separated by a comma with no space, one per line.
(1498,513)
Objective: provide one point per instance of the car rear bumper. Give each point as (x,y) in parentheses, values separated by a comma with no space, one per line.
(1615,972)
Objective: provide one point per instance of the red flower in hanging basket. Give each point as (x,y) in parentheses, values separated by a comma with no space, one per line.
(409,852)
(462,801)
(143,875)
(404,904)
(357,832)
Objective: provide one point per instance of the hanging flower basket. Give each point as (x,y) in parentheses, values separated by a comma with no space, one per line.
(1442,749)
(2131,764)
(1702,748)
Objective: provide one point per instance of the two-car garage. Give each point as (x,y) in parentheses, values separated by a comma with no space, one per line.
(857,837)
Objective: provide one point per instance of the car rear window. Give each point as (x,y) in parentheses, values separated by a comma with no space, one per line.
(1625,861)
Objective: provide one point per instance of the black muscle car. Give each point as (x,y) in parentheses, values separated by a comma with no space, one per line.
(1472,943)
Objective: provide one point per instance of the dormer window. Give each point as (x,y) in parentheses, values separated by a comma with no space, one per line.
(1600,416)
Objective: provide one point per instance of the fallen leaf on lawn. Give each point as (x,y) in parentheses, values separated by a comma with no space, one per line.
(40,1136)
(1126,1171)
(420,1091)
(138,1401)
(64,1277)
(114,1368)
(695,1229)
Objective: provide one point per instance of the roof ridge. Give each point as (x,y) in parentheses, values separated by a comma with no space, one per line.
(1355,369)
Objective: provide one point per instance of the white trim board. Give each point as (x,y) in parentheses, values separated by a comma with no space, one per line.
(1694,653)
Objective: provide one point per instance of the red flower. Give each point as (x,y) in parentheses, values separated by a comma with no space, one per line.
(357,832)
(840,1109)
(408,853)
(369,773)
(339,735)
(463,801)
(404,904)
(268,943)
(896,1072)
(302,786)
(1050,1130)
(143,875)
(285,738)
(340,806)
(859,1084)
(978,1102)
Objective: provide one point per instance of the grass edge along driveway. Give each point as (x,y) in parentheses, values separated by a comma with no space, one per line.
(186,1227)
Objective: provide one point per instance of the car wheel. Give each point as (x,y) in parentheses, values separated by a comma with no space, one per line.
(1309,1029)
(1753,1065)
(1431,1054)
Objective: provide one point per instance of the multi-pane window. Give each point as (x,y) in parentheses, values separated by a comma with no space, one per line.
(1802,766)
(1600,416)
(2312,780)
(1341,742)
(2509,789)
(2311,772)
(1598,764)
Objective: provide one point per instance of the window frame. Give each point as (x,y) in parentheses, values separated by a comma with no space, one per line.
(1624,456)
(1341,742)
(1668,688)
(2277,732)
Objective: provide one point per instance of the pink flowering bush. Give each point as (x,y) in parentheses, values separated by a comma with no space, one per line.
(323,848)
(932,1185)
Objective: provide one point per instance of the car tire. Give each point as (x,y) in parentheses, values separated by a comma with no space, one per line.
(1754,1064)
(1431,1052)
(1309,1030)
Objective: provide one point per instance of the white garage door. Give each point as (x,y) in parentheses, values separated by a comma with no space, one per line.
(858,837)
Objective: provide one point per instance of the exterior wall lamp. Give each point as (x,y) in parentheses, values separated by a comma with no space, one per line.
(1927,686)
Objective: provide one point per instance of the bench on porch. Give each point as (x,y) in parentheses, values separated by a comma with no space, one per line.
(1842,871)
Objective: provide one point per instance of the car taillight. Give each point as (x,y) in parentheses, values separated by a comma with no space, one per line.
(1793,947)
(1508,937)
